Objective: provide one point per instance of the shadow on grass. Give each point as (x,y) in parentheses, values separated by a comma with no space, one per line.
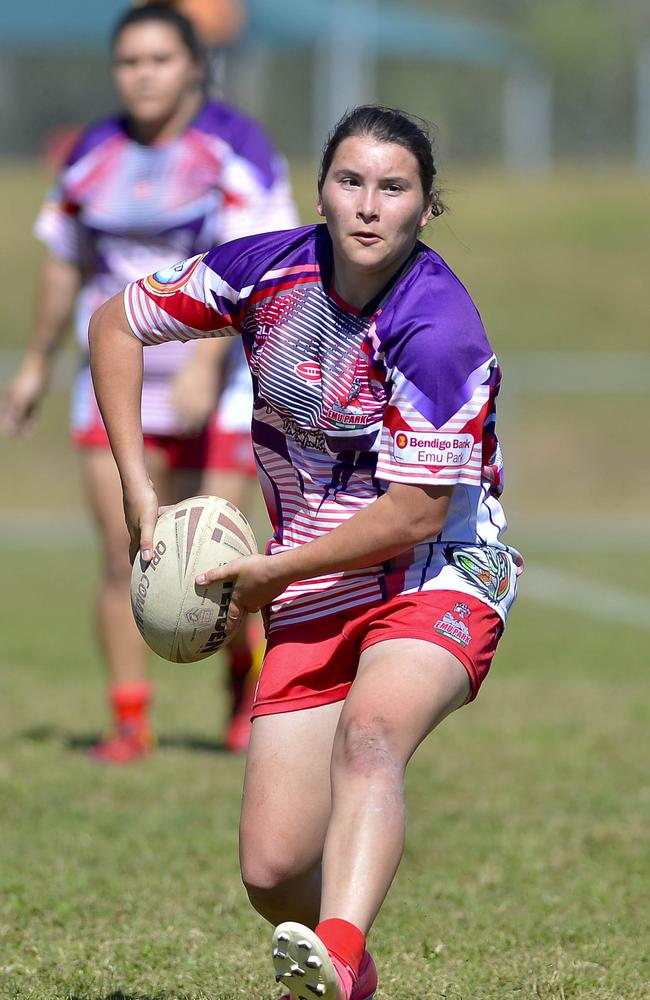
(119,995)
(83,742)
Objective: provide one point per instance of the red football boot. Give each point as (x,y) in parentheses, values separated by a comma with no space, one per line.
(127,744)
(302,962)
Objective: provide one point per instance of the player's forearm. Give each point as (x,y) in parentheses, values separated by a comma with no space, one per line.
(393,523)
(59,287)
(116,366)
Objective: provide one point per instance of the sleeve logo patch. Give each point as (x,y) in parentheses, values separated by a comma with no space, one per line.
(172,279)
(446,450)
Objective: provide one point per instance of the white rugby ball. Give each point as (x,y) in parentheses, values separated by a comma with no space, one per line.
(179,620)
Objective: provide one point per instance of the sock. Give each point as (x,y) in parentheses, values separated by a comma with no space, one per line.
(240,661)
(343,941)
(130,703)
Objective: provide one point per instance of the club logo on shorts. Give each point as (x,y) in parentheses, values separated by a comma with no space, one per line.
(453,628)
(462,609)
(172,279)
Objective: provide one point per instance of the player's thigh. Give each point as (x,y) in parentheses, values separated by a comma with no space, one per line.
(403,689)
(286,800)
(104,491)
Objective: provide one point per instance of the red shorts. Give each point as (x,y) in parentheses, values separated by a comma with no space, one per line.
(229,451)
(181,452)
(315,664)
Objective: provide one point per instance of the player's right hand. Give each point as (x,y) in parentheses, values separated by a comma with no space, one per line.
(21,401)
(141,513)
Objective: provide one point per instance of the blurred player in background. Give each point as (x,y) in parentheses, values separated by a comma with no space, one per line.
(218,23)
(173,175)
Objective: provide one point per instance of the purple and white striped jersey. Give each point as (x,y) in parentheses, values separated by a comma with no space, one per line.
(347,402)
(121,209)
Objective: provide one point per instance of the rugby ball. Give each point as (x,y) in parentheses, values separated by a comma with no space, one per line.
(179,620)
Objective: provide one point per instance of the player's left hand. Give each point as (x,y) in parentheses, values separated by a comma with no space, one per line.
(256,583)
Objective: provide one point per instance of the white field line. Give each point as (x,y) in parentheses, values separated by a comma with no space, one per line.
(558,589)
(539,584)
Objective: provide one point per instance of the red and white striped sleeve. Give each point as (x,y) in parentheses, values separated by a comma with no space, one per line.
(185,302)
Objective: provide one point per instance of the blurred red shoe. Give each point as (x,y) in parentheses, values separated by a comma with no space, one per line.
(126,745)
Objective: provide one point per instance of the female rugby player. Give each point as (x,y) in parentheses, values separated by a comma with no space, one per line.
(173,175)
(386,585)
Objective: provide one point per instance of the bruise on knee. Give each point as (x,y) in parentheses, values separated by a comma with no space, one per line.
(365,746)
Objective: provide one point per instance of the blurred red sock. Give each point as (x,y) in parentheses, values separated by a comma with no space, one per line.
(131,738)
(242,690)
(130,703)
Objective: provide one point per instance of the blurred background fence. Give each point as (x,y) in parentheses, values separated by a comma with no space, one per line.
(528,81)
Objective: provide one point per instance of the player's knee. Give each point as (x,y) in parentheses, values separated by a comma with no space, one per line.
(365,745)
(267,881)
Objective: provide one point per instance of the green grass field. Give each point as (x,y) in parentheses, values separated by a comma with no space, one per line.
(527,871)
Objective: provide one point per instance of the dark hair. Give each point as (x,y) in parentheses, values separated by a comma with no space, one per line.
(166,15)
(387,125)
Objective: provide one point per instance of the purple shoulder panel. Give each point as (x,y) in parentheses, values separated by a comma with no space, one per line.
(431,332)
(244,261)
(94,136)
(244,135)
